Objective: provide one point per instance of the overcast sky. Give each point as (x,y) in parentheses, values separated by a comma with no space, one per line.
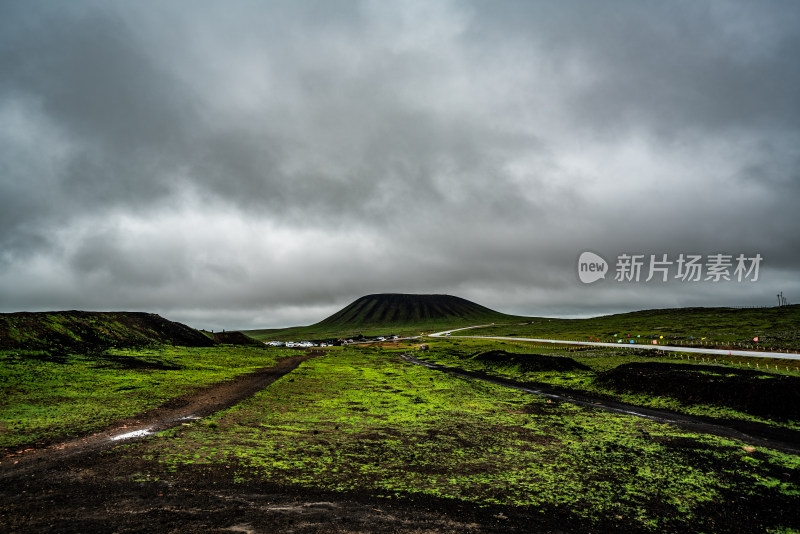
(245,164)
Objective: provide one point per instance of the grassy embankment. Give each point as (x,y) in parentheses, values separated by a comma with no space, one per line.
(361,420)
(80,332)
(69,373)
(776,328)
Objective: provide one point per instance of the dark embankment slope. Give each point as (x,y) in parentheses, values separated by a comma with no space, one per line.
(80,331)
(751,391)
(530,362)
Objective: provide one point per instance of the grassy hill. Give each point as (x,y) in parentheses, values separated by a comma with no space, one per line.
(775,327)
(395,313)
(81,332)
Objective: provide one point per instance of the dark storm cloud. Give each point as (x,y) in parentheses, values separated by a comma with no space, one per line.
(677,64)
(142,111)
(257,163)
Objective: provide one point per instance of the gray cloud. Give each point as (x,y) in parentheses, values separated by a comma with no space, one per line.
(259,164)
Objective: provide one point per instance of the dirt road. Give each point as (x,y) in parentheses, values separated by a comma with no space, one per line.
(176,411)
(84,486)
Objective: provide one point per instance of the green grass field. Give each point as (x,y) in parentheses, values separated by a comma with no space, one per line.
(461,353)
(364,421)
(775,327)
(47,397)
(361,421)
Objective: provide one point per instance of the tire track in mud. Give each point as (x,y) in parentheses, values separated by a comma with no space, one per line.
(754,433)
(174,412)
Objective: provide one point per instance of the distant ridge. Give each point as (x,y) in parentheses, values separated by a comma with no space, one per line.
(234,338)
(81,331)
(398,309)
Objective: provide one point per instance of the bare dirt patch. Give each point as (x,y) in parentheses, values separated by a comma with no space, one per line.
(94,494)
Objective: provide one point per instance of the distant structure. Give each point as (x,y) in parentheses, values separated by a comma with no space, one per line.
(782,301)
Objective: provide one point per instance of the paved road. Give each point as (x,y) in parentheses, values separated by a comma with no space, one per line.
(694,350)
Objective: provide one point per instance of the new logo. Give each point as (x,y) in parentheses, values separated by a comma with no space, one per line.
(591,267)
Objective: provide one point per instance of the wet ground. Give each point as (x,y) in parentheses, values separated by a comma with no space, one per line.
(89,495)
(760,434)
(89,485)
(179,410)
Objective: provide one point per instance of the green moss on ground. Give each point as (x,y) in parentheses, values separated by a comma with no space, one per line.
(365,421)
(46,397)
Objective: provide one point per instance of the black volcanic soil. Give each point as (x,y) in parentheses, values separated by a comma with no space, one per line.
(94,495)
(397,309)
(755,392)
(89,488)
(531,362)
(94,491)
(84,486)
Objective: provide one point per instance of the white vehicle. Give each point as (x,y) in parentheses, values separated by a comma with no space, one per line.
(290,344)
